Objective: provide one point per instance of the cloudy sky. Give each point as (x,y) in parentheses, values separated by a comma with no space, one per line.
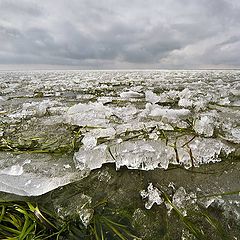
(119,34)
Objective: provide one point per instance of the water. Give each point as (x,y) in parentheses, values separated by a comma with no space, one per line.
(58,127)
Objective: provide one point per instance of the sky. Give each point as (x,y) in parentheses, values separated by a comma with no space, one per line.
(119,34)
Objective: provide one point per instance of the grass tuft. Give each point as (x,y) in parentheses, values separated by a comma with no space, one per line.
(25,221)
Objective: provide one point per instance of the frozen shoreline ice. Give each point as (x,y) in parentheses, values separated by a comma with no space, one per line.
(138,119)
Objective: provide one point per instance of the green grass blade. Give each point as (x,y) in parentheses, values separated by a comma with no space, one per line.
(114,223)
(25,227)
(2,212)
(116,231)
(102,236)
(94,230)
(192,228)
(39,215)
(10,230)
(216,225)
(28,231)
(220,194)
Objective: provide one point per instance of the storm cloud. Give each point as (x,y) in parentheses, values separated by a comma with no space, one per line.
(109,34)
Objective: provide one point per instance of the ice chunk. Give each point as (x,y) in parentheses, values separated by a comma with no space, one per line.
(182,200)
(86,159)
(38,109)
(15,170)
(185,93)
(147,110)
(200,151)
(186,235)
(231,132)
(89,142)
(79,204)
(208,150)
(142,155)
(204,126)
(92,114)
(151,154)
(151,97)
(153,136)
(126,114)
(208,201)
(131,94)
(167,96)
(200,105)
(133,154)
(153,195)
(236,134)
(184,102)
(235,92)
(105,99)
(91,138)
(102,132)
(86,215)
(104,176)
(169,113)
(30,174)
(230,207)
(224,101)
(57,110)
(66,166)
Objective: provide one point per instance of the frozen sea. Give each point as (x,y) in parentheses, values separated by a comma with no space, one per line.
(57,126)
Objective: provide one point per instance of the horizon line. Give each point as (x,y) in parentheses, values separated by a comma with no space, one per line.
(121,69)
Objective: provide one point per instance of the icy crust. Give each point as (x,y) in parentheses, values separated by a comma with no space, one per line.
(138,119)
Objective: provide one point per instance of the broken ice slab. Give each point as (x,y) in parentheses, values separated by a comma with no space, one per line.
(91,138)
(131,94)
(226,121)
(235,132)
(152,154)
(186,98)
(34,109)
(156,111)
(94,114)
(204,125)
(144,155)
(194,151)
(86,159)
(151,97)
(35,174)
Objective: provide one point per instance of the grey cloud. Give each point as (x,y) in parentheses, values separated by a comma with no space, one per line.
(224,53)
(111,33)
(231,40)
(23,7)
